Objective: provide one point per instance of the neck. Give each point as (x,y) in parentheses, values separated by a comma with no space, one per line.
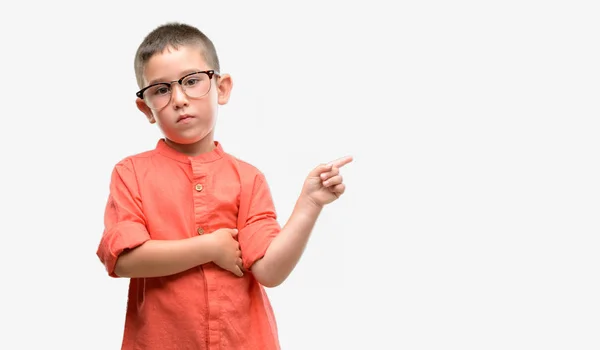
(205,145)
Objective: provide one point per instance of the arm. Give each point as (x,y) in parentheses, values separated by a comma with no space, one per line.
(157,258)
(323,186)
(162,258)
(287,247)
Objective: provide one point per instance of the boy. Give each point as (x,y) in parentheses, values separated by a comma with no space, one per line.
(193,227)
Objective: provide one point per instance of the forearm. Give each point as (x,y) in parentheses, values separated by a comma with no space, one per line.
(285,250)
(157,258)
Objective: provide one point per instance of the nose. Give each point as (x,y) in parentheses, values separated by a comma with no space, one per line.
(178,96)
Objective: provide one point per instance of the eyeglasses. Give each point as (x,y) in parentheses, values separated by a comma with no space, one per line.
(195,85)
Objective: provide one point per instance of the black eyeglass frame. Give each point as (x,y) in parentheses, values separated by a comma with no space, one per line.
(210,73)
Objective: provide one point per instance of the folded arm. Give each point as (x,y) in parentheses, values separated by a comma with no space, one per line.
(156,258)
(127,250)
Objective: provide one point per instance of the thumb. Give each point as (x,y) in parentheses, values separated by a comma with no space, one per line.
(234,232)
(321,169)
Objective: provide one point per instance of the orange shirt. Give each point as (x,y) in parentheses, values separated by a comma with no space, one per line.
(163,194)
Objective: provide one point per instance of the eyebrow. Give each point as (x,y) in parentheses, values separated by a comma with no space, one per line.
(184,73)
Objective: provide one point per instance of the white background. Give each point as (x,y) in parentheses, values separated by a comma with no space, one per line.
(471,215)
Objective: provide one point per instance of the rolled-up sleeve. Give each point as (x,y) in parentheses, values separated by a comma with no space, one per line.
(261,224)
(124,221)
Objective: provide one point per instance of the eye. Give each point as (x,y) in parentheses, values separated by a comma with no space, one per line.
(191,81)
(160,90)
(194,80)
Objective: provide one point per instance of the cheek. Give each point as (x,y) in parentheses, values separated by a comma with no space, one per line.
(162,119)
(213,97)
(206,108)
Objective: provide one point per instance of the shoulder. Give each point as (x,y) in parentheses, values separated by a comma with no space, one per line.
(130,162)
(246,171)
(244,166)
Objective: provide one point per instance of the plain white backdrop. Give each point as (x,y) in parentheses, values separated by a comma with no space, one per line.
(471,215)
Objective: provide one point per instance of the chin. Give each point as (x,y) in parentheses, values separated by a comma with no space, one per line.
(183,140)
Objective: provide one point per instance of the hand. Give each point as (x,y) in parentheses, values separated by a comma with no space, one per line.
(324,184)
(227,250)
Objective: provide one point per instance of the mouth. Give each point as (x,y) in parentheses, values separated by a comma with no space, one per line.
(184,117)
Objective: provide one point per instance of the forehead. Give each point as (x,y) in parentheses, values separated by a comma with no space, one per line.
(172,63)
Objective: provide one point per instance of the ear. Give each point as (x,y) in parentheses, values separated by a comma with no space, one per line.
(224,86)
(141,105)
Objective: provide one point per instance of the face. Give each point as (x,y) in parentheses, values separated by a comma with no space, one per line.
(184,120)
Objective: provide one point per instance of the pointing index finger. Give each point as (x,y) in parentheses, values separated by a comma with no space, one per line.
(340,162)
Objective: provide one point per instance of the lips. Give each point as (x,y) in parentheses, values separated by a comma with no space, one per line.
(184,117)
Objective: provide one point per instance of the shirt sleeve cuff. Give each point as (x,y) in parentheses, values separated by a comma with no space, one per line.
(258,237)
(126,235)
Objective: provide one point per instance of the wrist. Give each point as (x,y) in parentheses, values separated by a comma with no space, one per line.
(206,244)
(307,205)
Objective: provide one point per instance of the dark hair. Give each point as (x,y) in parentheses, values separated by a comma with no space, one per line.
(173,35)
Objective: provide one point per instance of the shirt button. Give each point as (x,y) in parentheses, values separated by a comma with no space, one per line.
(199,187)
(200,230)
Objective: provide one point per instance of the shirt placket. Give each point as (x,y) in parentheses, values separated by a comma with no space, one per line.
(200,188)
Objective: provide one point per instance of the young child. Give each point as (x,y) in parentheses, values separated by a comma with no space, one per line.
(193,227)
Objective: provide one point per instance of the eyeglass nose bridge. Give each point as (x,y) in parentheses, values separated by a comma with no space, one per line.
(180,83)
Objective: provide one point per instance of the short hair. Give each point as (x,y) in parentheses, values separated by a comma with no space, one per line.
(173,35)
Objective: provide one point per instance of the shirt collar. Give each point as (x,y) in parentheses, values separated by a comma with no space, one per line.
(167,151)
